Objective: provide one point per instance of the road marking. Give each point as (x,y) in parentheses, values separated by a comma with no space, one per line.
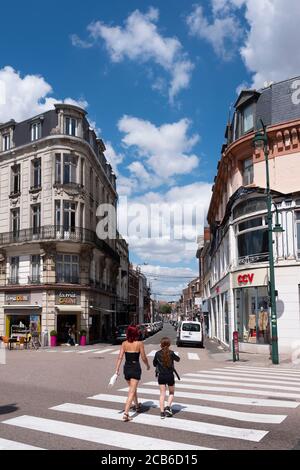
(52,351)
(197,427)
(152,353)
(239,383)
(193,357)
(235,390)
(123,440)
(224,398)
(103,351)
(6,444)
(245,376)
(267,370)
(205,410)
(115,352)
(88,351)
(66,352)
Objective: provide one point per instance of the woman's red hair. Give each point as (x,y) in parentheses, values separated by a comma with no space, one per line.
(132,334)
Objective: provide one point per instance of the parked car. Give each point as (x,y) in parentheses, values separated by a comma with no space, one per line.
(142,332)
(190,332)
(120,333)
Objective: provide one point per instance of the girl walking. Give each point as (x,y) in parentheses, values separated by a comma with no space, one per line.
(164,363)
(132,349)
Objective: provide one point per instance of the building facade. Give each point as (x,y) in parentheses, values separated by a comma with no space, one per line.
(234,261)
(54,270)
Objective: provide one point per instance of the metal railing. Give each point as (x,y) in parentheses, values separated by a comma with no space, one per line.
(55,232)
(252,259)
(61,279)
(11,281)
(34,279)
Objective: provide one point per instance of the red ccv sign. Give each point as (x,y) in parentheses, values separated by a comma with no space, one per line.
(245,279)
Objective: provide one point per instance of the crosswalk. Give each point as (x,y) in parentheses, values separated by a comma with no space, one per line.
(213,408)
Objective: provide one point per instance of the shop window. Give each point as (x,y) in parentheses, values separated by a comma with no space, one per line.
(252,315)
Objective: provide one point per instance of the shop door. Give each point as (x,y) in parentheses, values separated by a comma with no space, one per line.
(64,322)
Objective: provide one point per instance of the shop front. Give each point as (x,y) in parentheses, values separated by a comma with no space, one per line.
(23,313)
(68,306)
(252,314)
(219,312)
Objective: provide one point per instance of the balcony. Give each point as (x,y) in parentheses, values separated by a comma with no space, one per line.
(13,281)
(74,188)
(253,259)
(57,233)
(34,280)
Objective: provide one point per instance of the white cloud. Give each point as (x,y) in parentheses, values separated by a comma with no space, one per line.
(77,42)
(164,238)
(27,96)
(113,157)
(165,149)
(223,33)
(140,41)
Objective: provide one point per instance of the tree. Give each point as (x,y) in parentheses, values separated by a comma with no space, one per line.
(165,309)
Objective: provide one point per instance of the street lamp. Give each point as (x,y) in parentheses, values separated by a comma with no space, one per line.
(260,142)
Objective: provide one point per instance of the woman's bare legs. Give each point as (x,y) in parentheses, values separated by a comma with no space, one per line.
(162,397)
(171,395)
(132,394)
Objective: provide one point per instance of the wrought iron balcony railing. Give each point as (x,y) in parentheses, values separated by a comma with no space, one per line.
(252,259)
(55,232)
(13,281)
(61,279)
(34,279)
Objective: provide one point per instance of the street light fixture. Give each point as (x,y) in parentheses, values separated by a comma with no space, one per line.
(260,142)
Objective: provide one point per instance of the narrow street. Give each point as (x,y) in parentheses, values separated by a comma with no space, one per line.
(59,398)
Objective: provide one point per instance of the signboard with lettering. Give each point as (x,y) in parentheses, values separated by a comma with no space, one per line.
(17,298)
(67,298)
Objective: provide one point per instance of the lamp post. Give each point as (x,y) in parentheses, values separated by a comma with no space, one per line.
(260,141)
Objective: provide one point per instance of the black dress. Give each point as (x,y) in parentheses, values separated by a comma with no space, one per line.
(132,368)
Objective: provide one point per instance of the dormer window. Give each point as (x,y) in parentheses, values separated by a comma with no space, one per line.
(5,142)
(248,118)
(36,131)
(71,126)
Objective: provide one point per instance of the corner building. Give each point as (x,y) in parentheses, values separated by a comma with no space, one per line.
(234,257)
(54,270)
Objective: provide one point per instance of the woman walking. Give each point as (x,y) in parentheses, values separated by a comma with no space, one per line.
(164,363)
(132,348)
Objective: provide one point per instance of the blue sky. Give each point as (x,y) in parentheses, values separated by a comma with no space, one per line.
(159,102)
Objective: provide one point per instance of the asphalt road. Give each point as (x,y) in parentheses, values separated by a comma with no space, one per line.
(59,399)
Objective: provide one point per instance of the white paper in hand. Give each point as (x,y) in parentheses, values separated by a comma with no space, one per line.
(113,380)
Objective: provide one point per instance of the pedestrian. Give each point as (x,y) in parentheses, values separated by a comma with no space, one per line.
(164,363)
(132,349)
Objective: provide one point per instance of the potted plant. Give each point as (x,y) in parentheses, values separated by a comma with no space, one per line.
(82,334)
(53,336)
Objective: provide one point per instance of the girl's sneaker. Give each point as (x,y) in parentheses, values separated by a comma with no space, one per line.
(162,415)
(168,412)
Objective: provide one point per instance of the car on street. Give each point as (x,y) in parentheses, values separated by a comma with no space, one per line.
(189,332)
(120,333)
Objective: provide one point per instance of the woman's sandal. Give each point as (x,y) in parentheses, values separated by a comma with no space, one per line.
(137,408)
(126,417)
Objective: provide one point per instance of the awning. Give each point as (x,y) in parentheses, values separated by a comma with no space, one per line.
(69,308)
(22,307)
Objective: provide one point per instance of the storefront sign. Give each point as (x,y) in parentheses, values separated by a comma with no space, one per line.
(17,298)
(67,298)
(246,279)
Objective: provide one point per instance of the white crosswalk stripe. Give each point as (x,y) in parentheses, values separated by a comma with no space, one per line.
(123,440)
(284,372)
(198,427)
(193,356)
(6,444)
(231,382)
(205,410)
(237,390)
(225,398)
(103,351)
(86,351)
(152,353)
(245,376)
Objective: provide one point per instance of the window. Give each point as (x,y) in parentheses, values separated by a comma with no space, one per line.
(252,239)
(191,327)
(248,118)
(250,206)
(5,142)
(57,168)
(70,164)
(69,213)
(248,172)
(91,181)
(70,126)
(67,268)
(82,172)
(35,268)
(16,179)
(15,222)
(297,214)
(36,219)
(36,173)
(14,270)
(252,315)
(36,131)
(57,214)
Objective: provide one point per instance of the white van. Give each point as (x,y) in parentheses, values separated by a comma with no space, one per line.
(189,332)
